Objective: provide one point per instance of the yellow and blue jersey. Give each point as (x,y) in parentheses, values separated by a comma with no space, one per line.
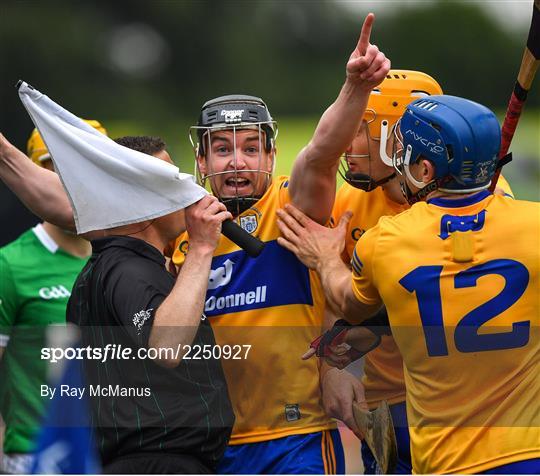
(274,304)
(460,281)
(383,369)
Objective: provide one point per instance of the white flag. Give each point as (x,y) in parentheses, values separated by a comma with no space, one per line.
(108,185)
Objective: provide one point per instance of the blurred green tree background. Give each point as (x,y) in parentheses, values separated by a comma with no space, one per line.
(146,66)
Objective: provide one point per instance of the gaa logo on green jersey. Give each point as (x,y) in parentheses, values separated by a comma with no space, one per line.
(54,292)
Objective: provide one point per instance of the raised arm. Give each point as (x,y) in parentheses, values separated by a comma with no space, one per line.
(38,188)
(313,180)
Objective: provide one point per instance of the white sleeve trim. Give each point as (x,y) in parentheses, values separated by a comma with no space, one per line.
(4,339)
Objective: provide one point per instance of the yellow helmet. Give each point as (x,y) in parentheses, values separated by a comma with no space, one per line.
(388,101)
(36,149)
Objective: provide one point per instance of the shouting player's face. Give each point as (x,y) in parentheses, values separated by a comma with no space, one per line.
(363,156)
(237,163)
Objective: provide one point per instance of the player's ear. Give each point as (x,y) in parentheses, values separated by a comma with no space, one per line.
(271,159)
(201,162)
(427,171)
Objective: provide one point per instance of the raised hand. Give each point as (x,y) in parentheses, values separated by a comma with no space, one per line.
(367,66)
(309,241)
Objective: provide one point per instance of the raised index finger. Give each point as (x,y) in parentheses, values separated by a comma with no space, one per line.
(365,34)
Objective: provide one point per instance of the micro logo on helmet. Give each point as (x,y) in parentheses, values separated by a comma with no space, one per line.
(436,149)
(484,171)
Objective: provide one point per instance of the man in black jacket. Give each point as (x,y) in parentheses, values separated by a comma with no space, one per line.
(156,410)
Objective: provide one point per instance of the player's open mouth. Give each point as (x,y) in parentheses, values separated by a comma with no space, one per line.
(237,183)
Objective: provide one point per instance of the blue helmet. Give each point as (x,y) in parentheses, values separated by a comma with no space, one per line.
(460,137)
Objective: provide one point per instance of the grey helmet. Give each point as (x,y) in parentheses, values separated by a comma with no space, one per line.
(233,112)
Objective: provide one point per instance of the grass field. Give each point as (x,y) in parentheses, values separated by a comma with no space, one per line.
(294,132)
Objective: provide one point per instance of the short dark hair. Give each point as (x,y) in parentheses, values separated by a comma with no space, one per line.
(147,144)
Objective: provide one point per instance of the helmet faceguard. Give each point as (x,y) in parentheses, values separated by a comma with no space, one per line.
(362,181)
(459,137)
(386,104)
(235,113)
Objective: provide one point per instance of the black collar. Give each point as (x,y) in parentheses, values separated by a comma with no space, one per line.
(136,245)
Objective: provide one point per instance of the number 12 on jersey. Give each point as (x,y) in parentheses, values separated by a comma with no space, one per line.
(425,282)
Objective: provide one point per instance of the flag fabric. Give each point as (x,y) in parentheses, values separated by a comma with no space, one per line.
(108,185)
(65,443)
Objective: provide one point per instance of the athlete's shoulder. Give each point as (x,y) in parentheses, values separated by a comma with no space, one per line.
(516,213)
(20,247)
(518,204)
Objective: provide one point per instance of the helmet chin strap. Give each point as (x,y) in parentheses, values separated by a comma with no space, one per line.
(365,182)
(436,184)
(238,205)
(412,198)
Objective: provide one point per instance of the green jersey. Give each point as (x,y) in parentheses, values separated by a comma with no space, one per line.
(36,278)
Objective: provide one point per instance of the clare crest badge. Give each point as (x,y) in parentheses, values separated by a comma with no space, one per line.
(249,223)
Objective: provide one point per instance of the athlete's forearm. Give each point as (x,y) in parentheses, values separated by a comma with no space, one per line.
(335,277)
(39,189)
(336,282)
(313,180)
(338,126)
(177,319)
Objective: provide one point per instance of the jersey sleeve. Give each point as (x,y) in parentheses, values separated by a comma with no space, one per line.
(362,263)
(284,196)
(8,301)
(505,186)
(134,297)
